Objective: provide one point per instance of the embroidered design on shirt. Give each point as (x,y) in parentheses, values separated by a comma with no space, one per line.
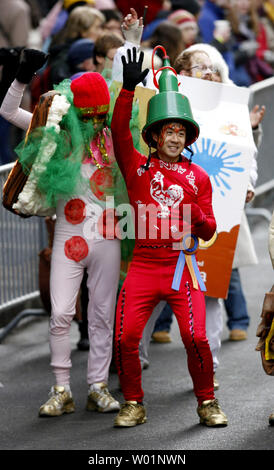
(141,170)
(172,166)
(166,198)
(191,180)
(174,228)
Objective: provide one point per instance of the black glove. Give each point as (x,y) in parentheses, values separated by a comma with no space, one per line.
(9,59)
(132,69)
(32,60)
(10,55)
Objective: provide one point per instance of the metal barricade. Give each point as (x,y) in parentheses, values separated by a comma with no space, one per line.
(21,240)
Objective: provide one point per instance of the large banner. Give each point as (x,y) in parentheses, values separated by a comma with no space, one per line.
(225,149)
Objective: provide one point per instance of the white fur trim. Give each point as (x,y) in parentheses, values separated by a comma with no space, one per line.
(30,200)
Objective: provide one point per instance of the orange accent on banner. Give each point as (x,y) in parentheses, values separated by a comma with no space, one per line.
(215,262)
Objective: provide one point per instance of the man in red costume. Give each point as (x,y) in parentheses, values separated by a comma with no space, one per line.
(167,180)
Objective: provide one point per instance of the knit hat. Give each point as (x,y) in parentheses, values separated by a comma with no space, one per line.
(68,3)
(182,18)
(90,94)
(79,51)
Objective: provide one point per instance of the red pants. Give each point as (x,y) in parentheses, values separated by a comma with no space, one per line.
(148,281)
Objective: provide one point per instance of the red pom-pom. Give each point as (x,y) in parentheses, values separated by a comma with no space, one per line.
(76,248)
(75,211)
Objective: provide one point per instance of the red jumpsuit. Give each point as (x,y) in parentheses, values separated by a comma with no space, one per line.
(149,279)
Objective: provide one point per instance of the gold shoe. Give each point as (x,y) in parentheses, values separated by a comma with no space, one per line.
(99,399)
(60,402)
(216,383)
(271,419)
(131,414)
(237,335)
(161,337)
(211,414)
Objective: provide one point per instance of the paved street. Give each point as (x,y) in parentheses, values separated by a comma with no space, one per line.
(246,393)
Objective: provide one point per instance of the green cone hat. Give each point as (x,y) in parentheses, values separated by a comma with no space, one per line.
(169,105)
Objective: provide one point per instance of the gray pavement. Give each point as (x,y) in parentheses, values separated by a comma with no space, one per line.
(246,393)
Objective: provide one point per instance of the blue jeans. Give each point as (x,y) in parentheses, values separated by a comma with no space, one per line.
(6,154)
(235,304)
(164,320)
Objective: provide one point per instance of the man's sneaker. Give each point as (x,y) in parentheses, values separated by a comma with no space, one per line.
(60,402)
(131,414)
(211,414)
(161,337)
(99,399)
(83,344)
(237,335)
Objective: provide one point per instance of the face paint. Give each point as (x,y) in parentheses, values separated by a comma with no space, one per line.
(175,127)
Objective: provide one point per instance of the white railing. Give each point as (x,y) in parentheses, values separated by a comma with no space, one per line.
(20,243)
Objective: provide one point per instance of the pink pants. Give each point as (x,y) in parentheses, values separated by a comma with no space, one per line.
(103,268)
(148,281)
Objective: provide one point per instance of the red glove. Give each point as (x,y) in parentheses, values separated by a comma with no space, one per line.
(193,216)
(197,215)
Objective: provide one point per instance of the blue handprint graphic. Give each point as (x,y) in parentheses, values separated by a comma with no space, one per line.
(213,158)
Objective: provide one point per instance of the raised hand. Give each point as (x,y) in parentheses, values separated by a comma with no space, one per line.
(132,27)
(32,60)
(256,115)
(132,69)
(132,18)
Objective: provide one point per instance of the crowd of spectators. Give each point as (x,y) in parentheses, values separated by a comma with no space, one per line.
(85,35)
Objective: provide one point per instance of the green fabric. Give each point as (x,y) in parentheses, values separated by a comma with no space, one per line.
(62,177)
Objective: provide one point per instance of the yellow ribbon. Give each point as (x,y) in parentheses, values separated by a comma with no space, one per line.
(191,271)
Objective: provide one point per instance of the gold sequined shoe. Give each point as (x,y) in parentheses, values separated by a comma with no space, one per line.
(131,414)
(211,414)
(99,399)
(60,402)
